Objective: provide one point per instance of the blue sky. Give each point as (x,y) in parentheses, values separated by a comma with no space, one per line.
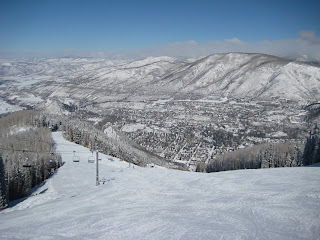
(127,25)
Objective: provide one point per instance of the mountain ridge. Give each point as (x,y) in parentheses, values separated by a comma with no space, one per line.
(232,75)
(213,73)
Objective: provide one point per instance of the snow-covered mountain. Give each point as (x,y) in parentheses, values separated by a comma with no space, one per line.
(304,58)
(253,76)
(157,203)
(232,75)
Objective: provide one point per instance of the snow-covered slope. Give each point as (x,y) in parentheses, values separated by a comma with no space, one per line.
(156,203)
(232,75)
(6,107)
(245,76)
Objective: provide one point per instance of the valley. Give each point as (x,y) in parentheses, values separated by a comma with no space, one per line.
(195,131)
(183,111)
(139,120)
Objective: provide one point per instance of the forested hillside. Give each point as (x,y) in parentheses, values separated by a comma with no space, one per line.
(27,155)
(98,138)
(312,147)
(269,155)
(311,152)
(106,140)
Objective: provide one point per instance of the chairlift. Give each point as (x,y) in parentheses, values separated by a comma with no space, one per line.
(91,159)
(75,157)
(26,164)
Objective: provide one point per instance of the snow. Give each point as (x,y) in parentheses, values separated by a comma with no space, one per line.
(54,107)
(132,127)
(163,101)
(221,100)
(157,203)
(31,99)
(235,75)
(278,134)
(150,60)
(95,120)
(18,129)
(111,133)
(24,81)
(6,107)
(193,117)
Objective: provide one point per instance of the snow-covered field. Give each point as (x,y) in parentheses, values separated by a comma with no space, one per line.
(156,203)
(6,107)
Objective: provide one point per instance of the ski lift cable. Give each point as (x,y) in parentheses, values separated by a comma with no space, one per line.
(26,140)
(32,140)
(24,150)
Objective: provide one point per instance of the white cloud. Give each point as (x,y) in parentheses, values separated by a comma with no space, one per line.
(308,44)
(309,36)
(234,40)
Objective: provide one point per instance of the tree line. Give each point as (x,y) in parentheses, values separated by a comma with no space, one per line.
(311,153)
(27,155)
(103,138)
(268,155)
(111,142)
(27,152)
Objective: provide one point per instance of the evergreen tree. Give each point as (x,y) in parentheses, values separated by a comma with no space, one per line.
(3,186)
(311,153)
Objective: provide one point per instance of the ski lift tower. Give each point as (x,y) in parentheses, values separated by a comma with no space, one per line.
(97,168)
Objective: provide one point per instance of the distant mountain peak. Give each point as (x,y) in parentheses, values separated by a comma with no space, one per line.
(232,75)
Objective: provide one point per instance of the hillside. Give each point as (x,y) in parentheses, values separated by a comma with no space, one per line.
(251,76)
(157,203)
(232,75)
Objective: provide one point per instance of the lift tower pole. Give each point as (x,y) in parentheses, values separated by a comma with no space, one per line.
(97,169)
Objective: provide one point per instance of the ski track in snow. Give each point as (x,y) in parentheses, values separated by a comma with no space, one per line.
(157,203)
